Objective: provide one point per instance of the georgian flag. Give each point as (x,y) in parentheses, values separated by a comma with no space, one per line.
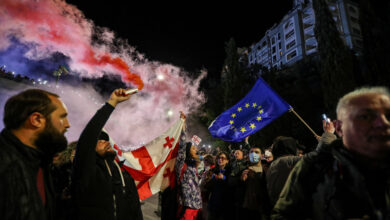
(152,165)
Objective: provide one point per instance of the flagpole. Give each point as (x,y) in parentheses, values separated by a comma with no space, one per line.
(299,117)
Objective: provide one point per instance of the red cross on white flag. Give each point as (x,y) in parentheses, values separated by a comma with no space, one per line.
(151,166)
(196,140)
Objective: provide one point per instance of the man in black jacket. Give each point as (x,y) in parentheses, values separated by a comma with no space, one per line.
(100,189)
(35,123)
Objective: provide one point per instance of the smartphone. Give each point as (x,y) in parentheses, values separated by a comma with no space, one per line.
(324,117)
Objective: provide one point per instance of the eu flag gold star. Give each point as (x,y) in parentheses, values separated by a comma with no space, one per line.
(239,109)
(261,111)
(233,115)
(231,122)
(254,105)
(243,130)
(252,126)
(258,118)
(247,105)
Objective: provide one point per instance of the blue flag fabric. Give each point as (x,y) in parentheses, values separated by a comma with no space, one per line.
(258,108)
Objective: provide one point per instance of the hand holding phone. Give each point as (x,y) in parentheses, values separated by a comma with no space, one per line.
(324,117)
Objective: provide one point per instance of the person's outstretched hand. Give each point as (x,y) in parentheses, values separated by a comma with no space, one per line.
(118,96)
(182,115)
(328,126)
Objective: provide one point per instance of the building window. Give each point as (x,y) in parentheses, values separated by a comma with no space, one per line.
(278,36)
(305,15)
(273,40)
(310,47)
(273,49)
(274,59)
(307,25)
(264,44)
(291,44)
(288,24)
(280,45)
(292,55)
(289,34)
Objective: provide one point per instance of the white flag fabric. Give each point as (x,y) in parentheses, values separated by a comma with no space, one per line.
(152,165)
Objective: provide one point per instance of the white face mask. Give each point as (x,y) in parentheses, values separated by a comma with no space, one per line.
(201,167)
(254,157)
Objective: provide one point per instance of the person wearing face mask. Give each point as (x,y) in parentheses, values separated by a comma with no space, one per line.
(256,201)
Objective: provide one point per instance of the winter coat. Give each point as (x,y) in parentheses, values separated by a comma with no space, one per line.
(277,175)
(189,181)
(97,194)
(19,196)
(331,184)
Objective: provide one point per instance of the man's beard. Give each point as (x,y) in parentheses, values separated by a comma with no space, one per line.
(109,155)
(50,141)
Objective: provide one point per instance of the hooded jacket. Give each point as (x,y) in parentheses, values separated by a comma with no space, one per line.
(97,187)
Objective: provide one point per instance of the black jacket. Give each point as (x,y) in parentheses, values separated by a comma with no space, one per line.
(19,196)
(93,188)
(332,184)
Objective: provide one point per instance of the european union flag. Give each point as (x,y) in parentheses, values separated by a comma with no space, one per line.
(257,109)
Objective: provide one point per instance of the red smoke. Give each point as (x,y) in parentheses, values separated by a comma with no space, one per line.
(54,25)
(118,64)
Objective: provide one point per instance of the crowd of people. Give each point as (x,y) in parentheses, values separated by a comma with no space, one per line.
(347,176)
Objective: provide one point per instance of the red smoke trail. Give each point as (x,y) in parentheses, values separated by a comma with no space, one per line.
(117,63)
(54,25)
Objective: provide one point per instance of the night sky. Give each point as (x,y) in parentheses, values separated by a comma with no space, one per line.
(189,35)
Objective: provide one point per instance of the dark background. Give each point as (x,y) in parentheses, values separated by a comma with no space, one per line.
(191,35)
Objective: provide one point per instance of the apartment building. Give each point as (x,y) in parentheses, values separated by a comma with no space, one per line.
(293,37)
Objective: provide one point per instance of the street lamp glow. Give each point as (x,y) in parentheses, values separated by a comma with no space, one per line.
(170,113)
(160,77)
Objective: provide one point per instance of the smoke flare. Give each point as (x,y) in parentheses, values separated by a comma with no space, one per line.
(36,31)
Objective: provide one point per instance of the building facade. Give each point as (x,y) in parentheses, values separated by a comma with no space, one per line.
(293,38)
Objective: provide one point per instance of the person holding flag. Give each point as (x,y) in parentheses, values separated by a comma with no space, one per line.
(188,179)
(100,189)
(258,108)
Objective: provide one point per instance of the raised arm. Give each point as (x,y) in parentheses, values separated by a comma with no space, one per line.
(84,168)
(181,155)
